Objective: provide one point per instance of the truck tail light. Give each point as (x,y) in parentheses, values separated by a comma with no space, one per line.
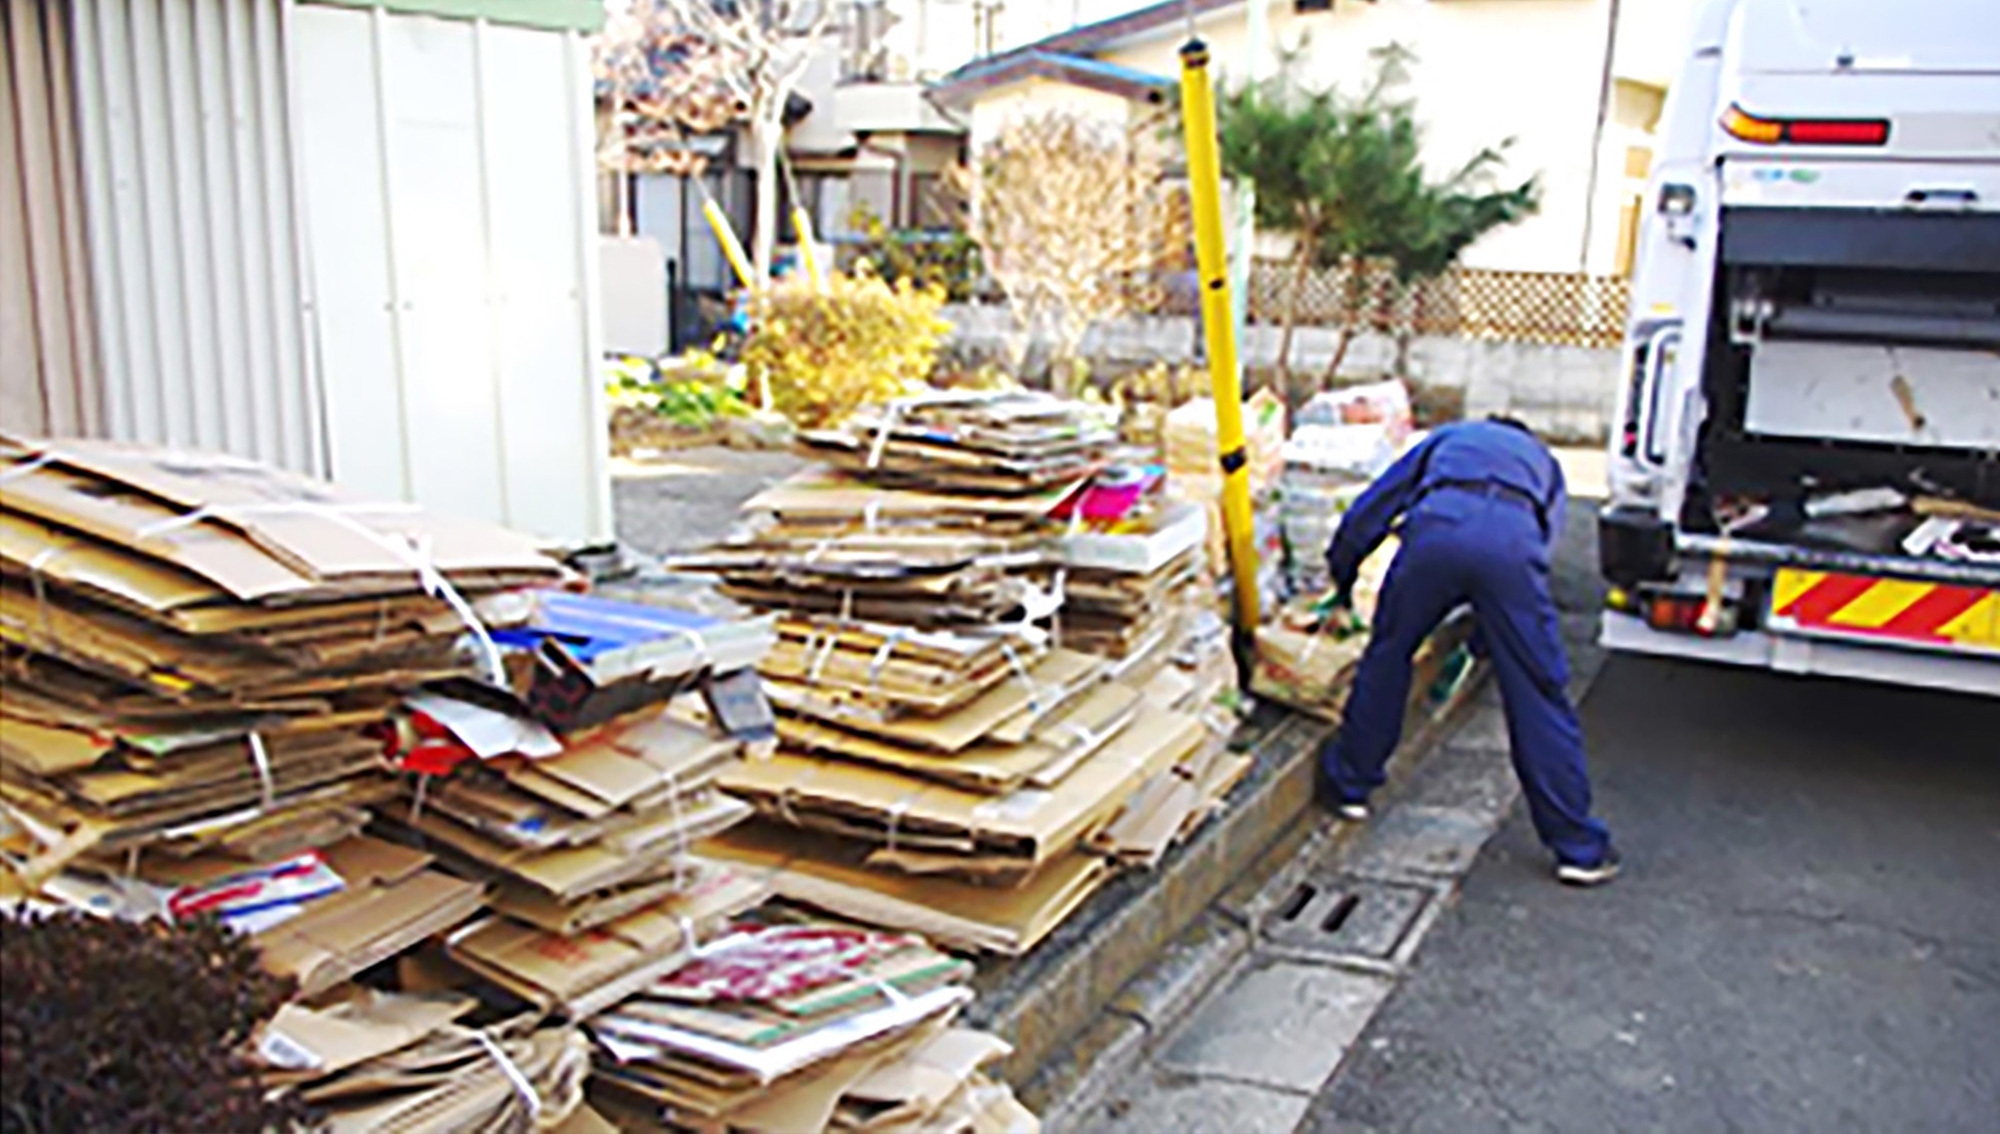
(1740,123)
(1682,614)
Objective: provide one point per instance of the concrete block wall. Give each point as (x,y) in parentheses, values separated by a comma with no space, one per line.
(1568,393)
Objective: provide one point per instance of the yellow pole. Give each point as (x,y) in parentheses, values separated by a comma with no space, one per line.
(1212,261)
(732,248)
(808,256)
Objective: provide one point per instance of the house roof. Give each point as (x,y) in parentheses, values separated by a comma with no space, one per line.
(1067,57)
(1095,37)
(966,83)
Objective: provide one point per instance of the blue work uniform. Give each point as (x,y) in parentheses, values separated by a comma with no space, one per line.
(1479,505)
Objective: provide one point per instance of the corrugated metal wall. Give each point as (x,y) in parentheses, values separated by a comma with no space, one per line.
(186,140)
(48,363)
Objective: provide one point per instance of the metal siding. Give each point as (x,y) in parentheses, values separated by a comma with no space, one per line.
(187,157)
(48,357)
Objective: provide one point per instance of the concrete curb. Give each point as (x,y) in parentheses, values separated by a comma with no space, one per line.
(1098,1003)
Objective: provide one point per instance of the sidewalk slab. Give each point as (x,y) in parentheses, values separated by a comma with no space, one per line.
(1201,1106)
(1282,1024)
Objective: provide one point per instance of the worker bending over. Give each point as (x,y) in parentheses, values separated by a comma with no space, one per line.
(1479,504)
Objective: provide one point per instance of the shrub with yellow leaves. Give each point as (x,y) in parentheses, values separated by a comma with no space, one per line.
(822,354)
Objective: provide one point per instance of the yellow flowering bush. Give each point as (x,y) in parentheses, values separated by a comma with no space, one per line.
(824,354)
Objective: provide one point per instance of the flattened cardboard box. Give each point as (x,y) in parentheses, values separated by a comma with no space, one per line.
(569,873)
(1060,743)
(1028,827)
(1007,712)
(391,903)
(287,515)
(350,1026)
(586,972)
(821,493)
(829,874)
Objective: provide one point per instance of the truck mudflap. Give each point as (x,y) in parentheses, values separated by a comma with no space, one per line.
(1885,610)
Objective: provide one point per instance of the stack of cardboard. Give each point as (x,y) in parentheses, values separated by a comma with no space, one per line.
(581,814)
(1125,583)
(801,1028)
(943,763)
(1194,469)
(363,1060)
(1005,443)
(194,645)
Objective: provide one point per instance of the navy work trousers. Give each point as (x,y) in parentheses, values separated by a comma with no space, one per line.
(1463,546)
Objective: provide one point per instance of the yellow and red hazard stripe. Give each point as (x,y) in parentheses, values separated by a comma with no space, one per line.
(1938,614)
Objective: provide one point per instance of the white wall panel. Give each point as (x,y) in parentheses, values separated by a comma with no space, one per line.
(192,227)
(453,246)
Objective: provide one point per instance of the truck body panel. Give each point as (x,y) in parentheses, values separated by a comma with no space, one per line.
(1816,311)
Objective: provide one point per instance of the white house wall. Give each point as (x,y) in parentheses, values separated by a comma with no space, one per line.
(1037,96)
(453,252)
(1487,70)
(191,210)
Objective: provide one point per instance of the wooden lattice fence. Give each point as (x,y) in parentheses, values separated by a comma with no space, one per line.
(1536,307)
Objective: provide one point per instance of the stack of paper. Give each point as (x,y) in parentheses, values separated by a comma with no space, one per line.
(801,1028)
(195,643)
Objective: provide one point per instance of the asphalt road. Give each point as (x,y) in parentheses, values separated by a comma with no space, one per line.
(1807,936)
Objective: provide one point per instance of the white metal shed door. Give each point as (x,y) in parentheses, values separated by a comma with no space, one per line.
(452,231)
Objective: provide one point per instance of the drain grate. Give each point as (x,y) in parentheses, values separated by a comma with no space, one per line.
(1343,917)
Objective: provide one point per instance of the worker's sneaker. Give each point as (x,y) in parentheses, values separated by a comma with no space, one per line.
(1331,797)
(1597,874)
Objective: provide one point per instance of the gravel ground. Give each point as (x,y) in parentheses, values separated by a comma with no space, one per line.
(690,497)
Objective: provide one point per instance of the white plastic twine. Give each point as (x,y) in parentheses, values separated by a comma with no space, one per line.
(414,554)
(896,811)
(881,658)
(515,1077)
(892,415)
(1021,672)
(818,664)
(260,759)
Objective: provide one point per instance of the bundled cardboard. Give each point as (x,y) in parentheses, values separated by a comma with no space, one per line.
(893,669)
(1007,442)
(587,971)
(832,874)
(196,643)
(1008,712)
(991,766)
(390,902)
(458,1078)
(934,828)
(795,1027)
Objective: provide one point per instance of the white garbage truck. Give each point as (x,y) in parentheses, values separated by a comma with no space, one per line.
(1805,463)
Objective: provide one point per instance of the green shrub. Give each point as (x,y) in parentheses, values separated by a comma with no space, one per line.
(691,392)
(824,354)
(947,259)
